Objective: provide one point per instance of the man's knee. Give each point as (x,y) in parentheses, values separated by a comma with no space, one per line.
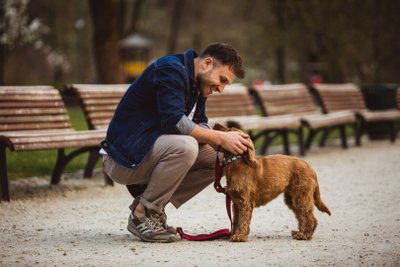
(184,145)
(189,147)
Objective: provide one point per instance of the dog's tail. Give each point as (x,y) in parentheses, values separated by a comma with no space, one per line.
(318,201)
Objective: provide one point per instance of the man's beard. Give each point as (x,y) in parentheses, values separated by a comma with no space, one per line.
(202,83)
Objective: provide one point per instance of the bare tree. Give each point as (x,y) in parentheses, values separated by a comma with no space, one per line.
(279,6)
(2,46)
(105,40)
(198,18)
(175,26)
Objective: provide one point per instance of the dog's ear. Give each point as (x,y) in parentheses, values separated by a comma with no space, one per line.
(220,127)
(249,157)
(235,125)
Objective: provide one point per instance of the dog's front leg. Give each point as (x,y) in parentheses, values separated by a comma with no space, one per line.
(235,218)
(243,218)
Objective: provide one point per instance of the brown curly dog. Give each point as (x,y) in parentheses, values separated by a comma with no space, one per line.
(254,181)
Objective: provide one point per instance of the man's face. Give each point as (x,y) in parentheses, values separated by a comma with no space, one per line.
(214,78)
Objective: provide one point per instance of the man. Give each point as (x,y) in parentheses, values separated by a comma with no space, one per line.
(159,135)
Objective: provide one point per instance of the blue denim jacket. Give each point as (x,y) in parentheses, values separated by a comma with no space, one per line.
(157,102)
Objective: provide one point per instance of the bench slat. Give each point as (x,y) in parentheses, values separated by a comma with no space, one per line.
(38,104)
(99,102)
(32,126)
(25,119)
(32,111)
(56,137)
(58,145)
(100,108)
(102,115)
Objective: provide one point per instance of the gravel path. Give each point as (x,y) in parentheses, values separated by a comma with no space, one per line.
(83,223)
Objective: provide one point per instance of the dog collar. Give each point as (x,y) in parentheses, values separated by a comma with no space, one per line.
(231,159)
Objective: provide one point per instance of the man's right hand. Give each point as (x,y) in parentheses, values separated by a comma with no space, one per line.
(236,142)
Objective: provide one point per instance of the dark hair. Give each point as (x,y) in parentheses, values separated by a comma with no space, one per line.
(227,55)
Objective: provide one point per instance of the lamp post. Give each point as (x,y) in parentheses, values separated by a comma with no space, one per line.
(135,55)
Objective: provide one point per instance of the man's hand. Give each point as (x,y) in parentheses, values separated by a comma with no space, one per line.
(236,142)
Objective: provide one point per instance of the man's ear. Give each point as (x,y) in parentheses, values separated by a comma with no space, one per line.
(220,127)
(208,63)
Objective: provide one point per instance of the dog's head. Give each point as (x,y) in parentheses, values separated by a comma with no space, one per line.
(249,156)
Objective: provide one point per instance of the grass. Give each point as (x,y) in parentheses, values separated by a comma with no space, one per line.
(41,163)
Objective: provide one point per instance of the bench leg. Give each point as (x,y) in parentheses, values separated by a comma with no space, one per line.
(62,161)
(59,167)
(359,130)
(310,137)
(300,140)
(91,163)
(393,131)
(286,145)
(324,137)
(343,136)
(4,187)
(267,141)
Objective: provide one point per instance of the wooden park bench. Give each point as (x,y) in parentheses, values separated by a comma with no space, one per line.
(296,100)
(235,107)
(98,102)
(35,118)
(345,97)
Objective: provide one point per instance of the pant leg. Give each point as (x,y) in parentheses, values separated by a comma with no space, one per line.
(176,154)
(163,169)
(200,175)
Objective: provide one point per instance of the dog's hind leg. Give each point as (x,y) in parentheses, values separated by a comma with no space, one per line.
(310,224)
(303,208)
(289,202)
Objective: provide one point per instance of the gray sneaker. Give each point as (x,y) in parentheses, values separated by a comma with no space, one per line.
(150,228)
(163,217)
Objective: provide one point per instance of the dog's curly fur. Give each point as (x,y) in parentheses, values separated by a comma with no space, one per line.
(254,181)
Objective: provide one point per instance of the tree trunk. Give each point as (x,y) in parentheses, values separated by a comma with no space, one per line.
(198,17)
(175,25)
(3,47)
(280,49)
(136,15)
(106,40)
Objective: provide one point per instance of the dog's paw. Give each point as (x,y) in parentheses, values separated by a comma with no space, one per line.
(238,238)
(298,235)
(294,232)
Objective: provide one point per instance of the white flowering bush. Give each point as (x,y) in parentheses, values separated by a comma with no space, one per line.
(17,30)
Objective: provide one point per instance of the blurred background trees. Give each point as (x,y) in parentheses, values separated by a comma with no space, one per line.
(75,41)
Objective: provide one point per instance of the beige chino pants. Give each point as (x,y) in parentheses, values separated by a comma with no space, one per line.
(176,169)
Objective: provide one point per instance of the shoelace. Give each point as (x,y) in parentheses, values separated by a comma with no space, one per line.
(155,221)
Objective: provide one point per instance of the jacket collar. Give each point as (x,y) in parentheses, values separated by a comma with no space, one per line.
(189,57)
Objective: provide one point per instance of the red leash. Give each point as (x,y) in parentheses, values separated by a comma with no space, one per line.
(220,234)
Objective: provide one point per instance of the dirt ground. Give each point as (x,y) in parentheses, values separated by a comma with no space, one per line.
(83,223)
